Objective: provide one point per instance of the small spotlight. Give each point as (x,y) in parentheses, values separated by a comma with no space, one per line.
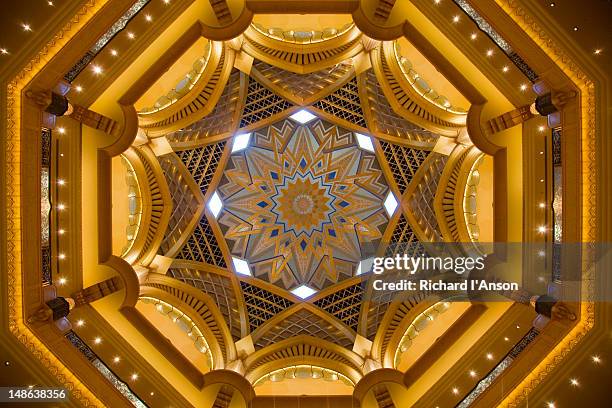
(97,340)
(456,19)
(541,128)
(61,130)
(61,231)
(596,359)
(596,52)
(62,256)
(116,359)
(4,51)
(61,281)
(506,339)
(552,4)
(26,27)
(134,377)
(131,35)
(551,405)
(505,69)
(542,205)
(489,356)
(78,88)
(542,229)
(114,53)
(523,87)
(61,182)
(473,36)
(455,391)
(80,322)
(152,393)
(50,3)
(489,53)
(167,1)
(148,18)
(97,69)
(541,254)
(574,382)
(473,373)
(575,28)
(61,207)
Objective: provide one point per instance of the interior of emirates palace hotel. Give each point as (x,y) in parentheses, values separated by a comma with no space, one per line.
(195,194)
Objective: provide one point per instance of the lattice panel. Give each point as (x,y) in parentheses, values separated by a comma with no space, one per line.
(344,104)
(202,163)
(386,121)
(404,162)
(219,121)
(261,103)
(219,288)
(202,246)
(184,202)
(421,201)
(379,303)
(304,322)
(344,304)
(261,304)
(303,86)
(403,240)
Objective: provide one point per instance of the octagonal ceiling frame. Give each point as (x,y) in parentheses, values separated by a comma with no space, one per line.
(575,75)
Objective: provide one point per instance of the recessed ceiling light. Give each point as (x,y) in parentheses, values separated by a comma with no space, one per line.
(241,142)
(114,52)
(596,359)
(116,359)
(505,69)
(131,35)
(50,3)
(523,87)
(365,142)
(167,1)
(489,53)
(215,204)
(152,393)
(455,391)
(241,266)
(97,69)
(489,356)
(575,28)
(98,340)
(62,281)
(506,339)
(473,373)
(542,229)
(303,291)
(473,36)
(26,27)
(437,1)
(148,18)
(61,182)
(61,207)
(4,51)
(78,88)
(390,204)
(456,19)
(302,116)
(596,52)
(60,231)
(134,377)
(80,322)
(62,256)
(574,382)
(364,266)
(552,4)
(541,254)
(551,405)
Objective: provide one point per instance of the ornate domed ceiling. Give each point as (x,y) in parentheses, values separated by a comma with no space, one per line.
(297,191)
(266,169)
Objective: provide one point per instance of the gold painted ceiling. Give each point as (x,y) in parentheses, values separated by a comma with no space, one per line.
(261,182)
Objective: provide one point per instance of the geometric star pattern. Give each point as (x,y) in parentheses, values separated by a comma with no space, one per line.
(303,203)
